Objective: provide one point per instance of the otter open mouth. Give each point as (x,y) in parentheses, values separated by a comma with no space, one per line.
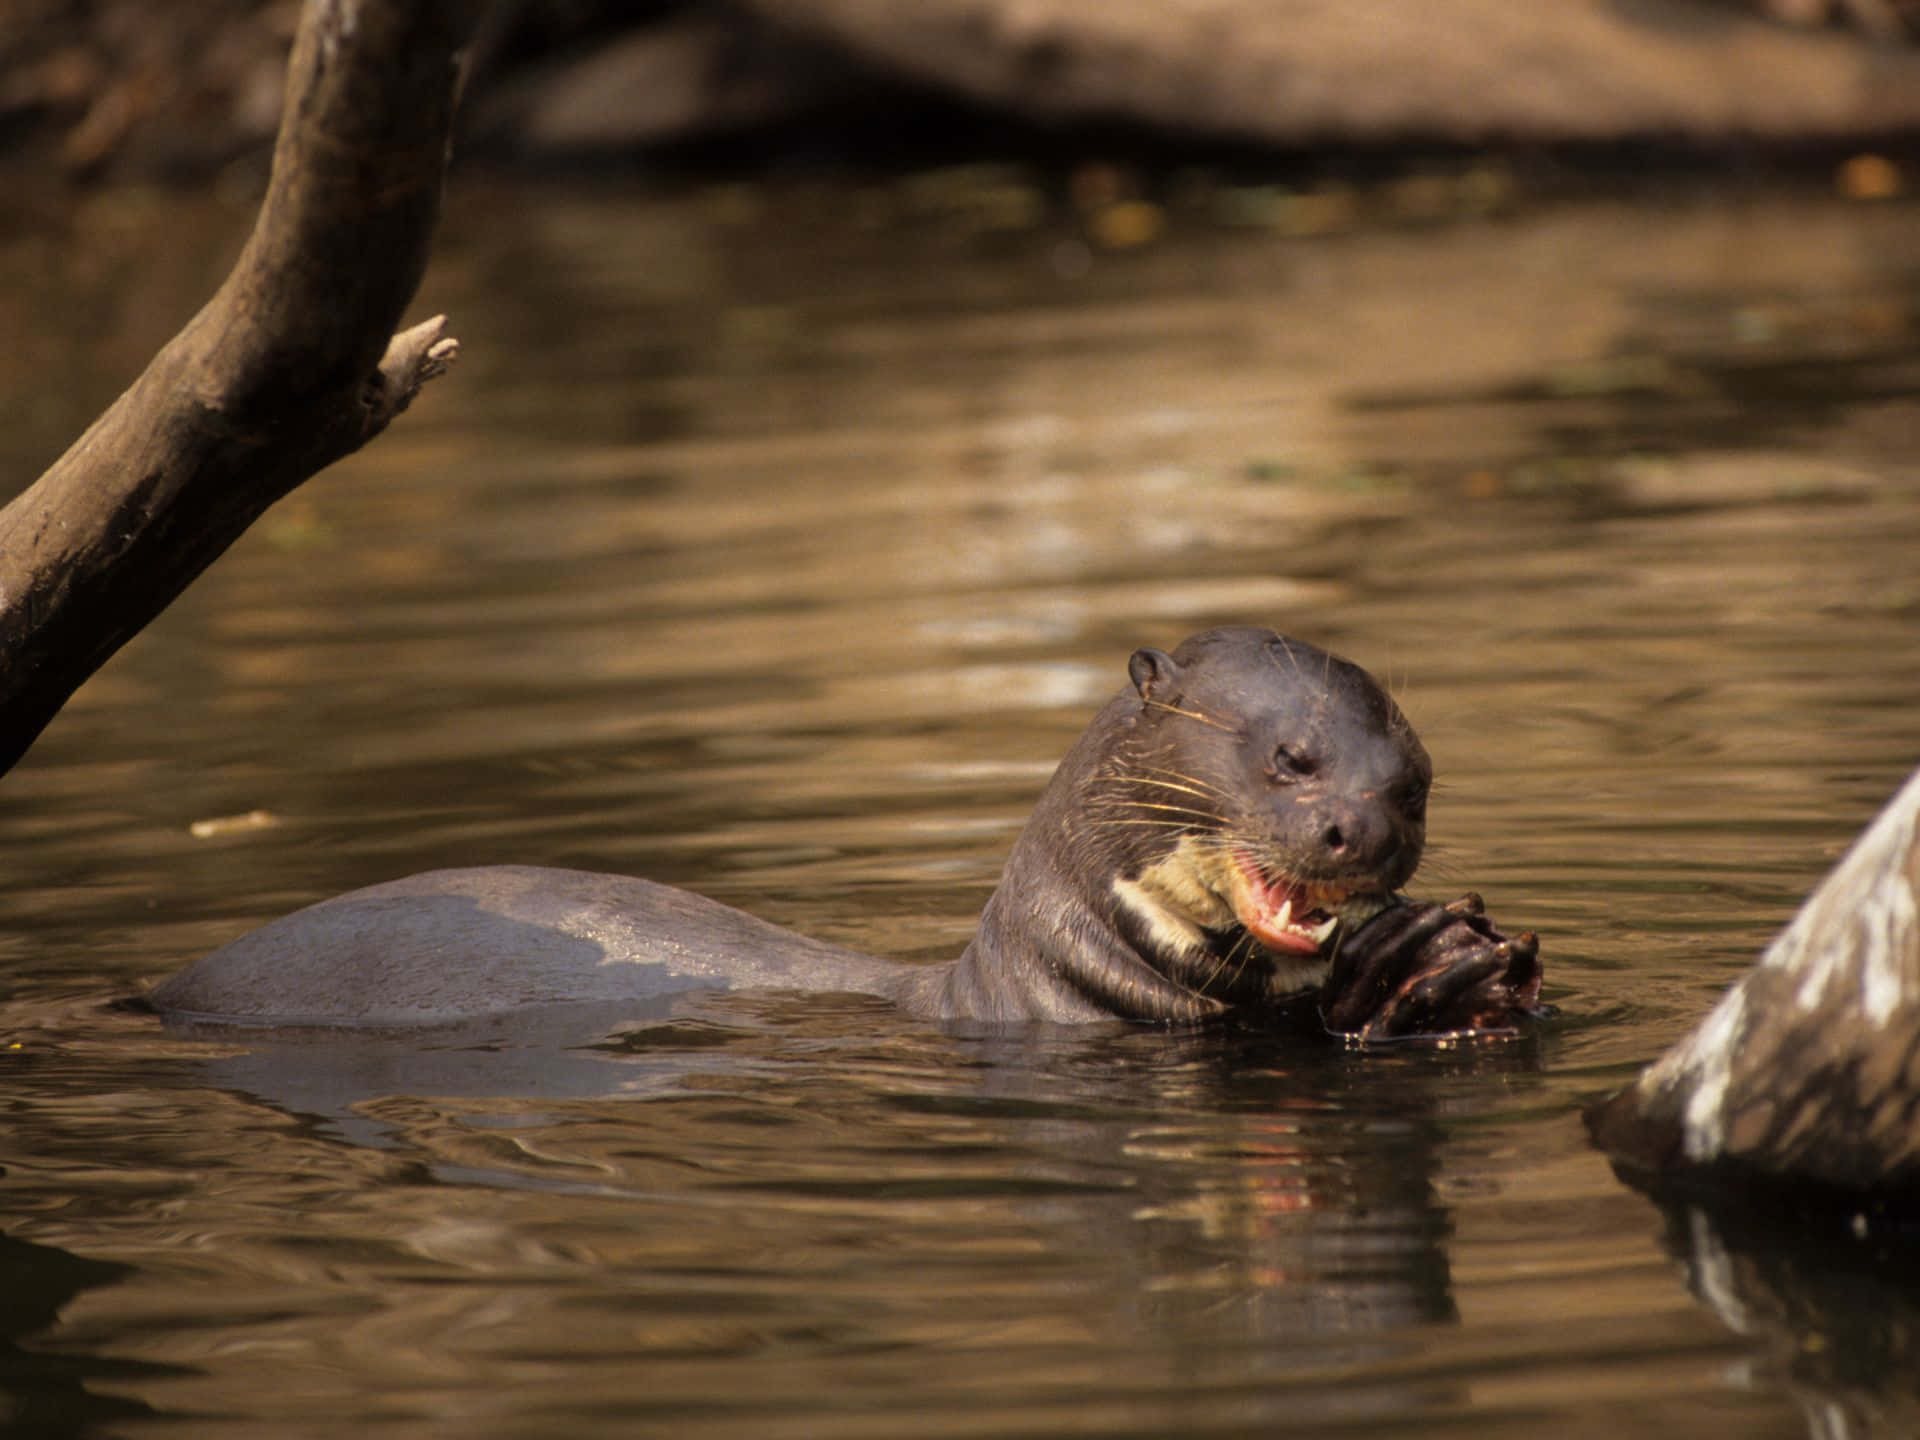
(1282,914)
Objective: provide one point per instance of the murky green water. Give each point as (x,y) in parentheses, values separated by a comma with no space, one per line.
(777,546)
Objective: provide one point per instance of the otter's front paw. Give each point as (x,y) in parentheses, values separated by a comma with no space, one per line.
(1423,969)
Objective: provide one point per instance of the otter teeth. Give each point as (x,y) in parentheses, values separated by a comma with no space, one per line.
(1320,934)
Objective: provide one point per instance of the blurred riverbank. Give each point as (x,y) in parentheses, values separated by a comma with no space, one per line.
(189,88)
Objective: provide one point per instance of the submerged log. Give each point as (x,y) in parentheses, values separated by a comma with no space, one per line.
(290,366)
(1808,1070)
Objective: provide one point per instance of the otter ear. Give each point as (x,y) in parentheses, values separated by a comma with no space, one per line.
(1153,672)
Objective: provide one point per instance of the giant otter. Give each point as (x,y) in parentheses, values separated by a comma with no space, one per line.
(1230,833)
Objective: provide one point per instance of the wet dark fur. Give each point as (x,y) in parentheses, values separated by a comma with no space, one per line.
(1240,739)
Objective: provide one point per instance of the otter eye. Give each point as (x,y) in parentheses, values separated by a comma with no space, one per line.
(1289,765)
(1413,797)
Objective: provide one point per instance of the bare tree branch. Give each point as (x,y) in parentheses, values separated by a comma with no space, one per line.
(290,366)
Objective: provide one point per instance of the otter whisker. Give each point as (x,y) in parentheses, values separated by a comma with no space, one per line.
(1165,808)
(1128,795)
(1237,955)
(1206,981)
(1247,947)
(1264,856)
(1220,964)
(1279,643)
(1200,715)
(1177,789)
(1222,797)
(1125,785)
(1115,822)
(1176,780)
(1176,801)
(1143,768)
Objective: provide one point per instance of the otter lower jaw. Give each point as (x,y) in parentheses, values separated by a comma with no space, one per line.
(1202,887)
(1280,913)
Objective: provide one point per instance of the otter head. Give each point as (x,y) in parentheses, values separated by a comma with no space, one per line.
(1263,793)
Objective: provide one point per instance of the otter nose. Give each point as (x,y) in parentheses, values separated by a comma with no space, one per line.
(1355,833)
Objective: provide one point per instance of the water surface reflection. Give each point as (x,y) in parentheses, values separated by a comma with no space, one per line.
(781,556)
